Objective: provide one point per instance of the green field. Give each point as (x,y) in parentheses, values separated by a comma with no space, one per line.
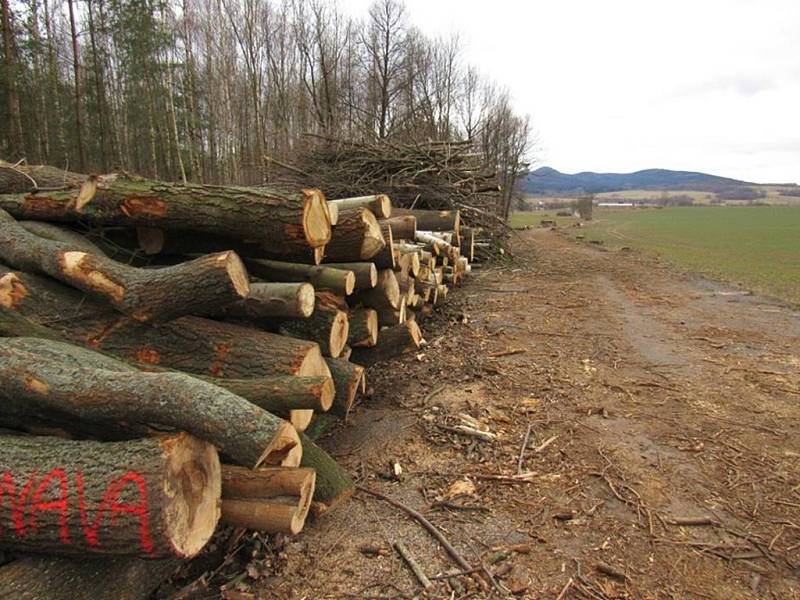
(756,247)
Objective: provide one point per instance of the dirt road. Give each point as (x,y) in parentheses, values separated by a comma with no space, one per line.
(663,459)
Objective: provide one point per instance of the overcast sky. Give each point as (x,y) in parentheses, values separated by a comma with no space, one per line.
(622,85)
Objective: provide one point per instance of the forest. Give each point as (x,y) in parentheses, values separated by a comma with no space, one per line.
(238,91)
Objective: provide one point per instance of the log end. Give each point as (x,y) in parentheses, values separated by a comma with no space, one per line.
(327,394)
(414,332)
(333,212)
(316,218)
(294,457)
(414,264)
(373,275)
(350,283)
(340,329)
(382,206)
(373,241)
(237,273)
(194,482)
(305,300)
(372,327)
(304,503)
(300,420)
(283,443)
(319,254)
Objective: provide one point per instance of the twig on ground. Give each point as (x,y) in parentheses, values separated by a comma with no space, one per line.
(413,565)
(430,527)
(522,448)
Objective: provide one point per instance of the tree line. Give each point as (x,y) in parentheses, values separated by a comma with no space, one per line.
(223,90)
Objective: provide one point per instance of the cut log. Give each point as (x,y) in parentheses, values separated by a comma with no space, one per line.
(406,284)
(388,316)
(273,500)
(403,227)
(43,378)
(145,294)
(328,327)
(366,274)
(438,245)
(272,300)
(82,578)
(190,344)
(386,294)
(346,352)
(433,220)
(28,178)
(151,497)
(408,263)
(347,377)
(13,324)
(392,342)
(363,328)
(340,281)
(357,237)
(386,258)
(333,484)
(282,393)
(57,233)
(379,204)
(283,220)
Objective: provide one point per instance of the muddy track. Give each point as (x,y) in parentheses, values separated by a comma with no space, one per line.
(663,458)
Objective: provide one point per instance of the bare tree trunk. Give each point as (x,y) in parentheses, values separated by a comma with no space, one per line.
(16,144)
(78,95)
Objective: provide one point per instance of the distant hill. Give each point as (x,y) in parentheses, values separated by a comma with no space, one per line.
(547,181)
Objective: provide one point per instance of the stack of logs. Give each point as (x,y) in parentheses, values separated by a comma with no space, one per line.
(162,348)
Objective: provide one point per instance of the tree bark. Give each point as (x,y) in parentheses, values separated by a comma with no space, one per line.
(29,178)
(357,236)
(403,227)
(366,274)
(363,328)
(283,221)
(433,220)
(144,294)
(274,500)
(57,233)
(392,342)
(272,300)
(44,378)
(379,204)
(151,497)
(333,484)
(70,578)
(325,277)
(348,378)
